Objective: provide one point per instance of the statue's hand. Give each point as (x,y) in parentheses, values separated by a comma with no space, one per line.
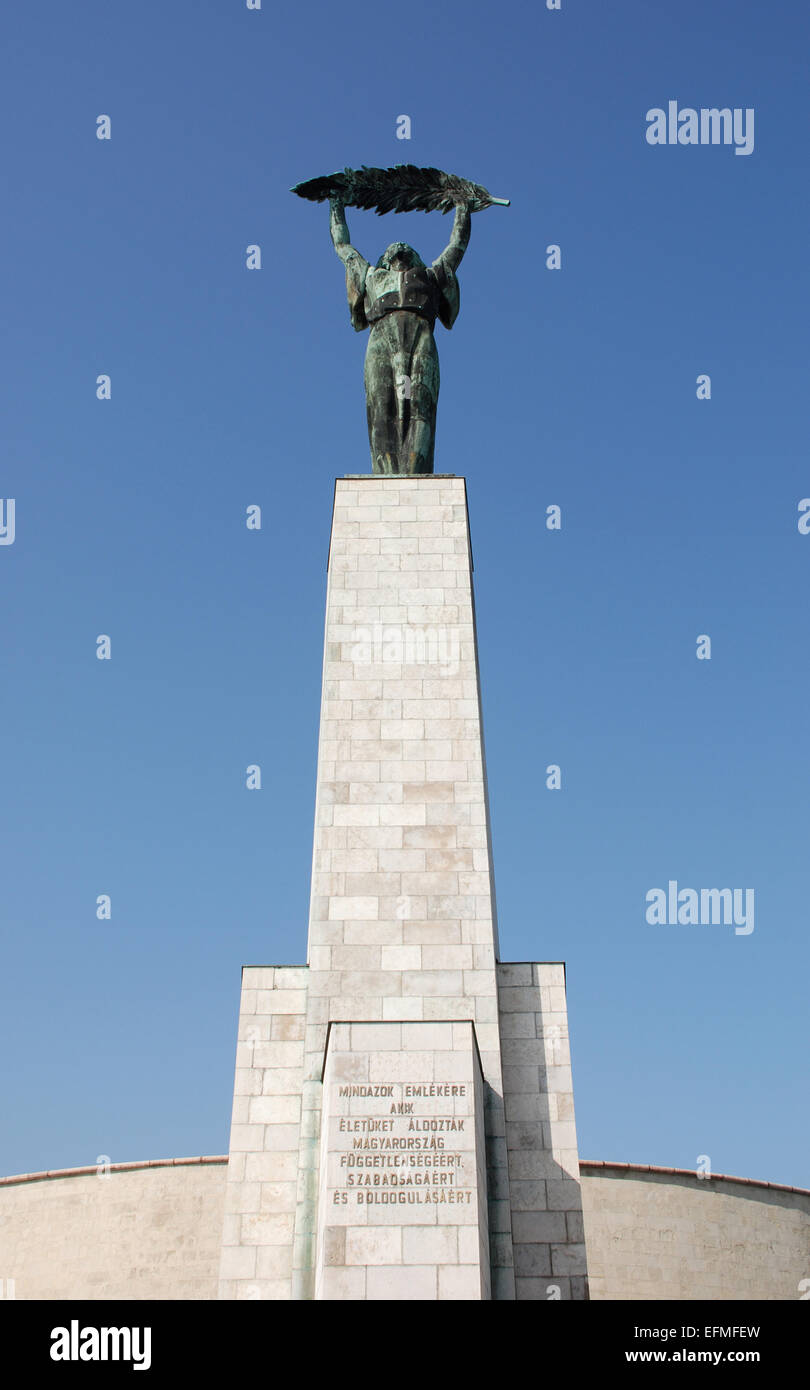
(337,225)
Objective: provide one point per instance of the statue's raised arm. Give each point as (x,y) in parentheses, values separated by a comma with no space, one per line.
(357,267)
(453,252)
(339,229)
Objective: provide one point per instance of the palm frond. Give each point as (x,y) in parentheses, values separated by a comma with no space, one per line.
(404,188)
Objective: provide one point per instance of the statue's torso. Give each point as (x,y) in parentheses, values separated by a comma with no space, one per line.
(415,290)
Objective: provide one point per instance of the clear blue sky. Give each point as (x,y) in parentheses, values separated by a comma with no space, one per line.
(232,387)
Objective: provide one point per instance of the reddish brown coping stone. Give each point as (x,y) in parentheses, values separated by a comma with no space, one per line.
(589,1163)
(691,1173)
(113,1168)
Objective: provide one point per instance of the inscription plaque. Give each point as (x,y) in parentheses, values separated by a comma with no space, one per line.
(402,1200)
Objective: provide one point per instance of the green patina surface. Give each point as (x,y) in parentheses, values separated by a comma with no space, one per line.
(398,300)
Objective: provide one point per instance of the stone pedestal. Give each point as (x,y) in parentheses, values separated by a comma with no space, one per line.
(403,986)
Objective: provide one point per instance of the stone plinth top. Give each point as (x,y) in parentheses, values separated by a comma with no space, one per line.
(397,478)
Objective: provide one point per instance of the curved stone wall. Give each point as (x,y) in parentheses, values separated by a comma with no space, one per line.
(146,1230)
(665,1233)
(153,1231)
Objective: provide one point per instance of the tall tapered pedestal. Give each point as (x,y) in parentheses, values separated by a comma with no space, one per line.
(403,1122)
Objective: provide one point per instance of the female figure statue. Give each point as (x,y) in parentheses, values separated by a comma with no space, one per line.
(399,300)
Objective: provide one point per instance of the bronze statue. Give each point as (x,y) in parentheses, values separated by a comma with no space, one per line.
(399,300)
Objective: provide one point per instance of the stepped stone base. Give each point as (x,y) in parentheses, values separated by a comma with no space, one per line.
(386,1248)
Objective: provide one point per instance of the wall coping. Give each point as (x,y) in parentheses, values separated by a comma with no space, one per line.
(594,1164)
(112,1168)
(591,1165)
